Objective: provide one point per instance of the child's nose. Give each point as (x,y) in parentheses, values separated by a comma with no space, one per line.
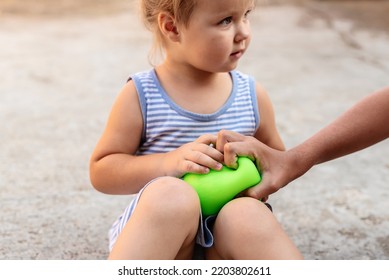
(242,31)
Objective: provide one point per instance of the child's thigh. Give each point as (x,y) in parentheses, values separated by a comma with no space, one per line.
(246,229)
(240,225)
(163,224)
(242,219)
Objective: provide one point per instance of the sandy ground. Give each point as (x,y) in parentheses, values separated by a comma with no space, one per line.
(63,62)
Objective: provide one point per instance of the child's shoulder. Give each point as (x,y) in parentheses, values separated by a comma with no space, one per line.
(145,74)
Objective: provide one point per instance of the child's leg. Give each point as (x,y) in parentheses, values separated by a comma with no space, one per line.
(246,229)
(164,223)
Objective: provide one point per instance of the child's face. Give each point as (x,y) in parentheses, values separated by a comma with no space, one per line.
(218,34)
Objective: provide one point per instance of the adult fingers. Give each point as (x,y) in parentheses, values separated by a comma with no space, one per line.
(226,136)
(263,190)
(233,150)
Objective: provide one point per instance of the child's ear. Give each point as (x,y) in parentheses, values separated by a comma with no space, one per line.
(168,26)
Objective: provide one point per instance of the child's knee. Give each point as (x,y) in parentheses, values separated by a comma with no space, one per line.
(245,207)
(171,196)
(246,214)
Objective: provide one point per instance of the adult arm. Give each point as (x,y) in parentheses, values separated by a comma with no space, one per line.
(363,125)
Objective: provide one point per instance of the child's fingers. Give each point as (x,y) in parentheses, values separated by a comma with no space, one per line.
(206,144)
(207,139)
(192,167)
(206,156)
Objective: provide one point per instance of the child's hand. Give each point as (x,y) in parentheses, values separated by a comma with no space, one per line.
(195,157)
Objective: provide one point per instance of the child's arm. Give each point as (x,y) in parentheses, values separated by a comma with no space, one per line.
(267,132)
(115,169)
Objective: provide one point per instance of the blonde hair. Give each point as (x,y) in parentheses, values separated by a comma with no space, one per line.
(181,10)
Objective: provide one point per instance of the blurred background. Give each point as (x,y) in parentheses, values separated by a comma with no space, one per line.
(62,62)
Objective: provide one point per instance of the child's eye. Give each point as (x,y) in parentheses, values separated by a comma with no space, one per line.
(226,21)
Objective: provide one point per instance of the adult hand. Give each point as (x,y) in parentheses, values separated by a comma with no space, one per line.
(272,164)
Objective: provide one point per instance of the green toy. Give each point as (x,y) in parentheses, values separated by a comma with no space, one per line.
(216,188)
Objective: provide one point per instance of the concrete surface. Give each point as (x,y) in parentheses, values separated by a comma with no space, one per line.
(63,62)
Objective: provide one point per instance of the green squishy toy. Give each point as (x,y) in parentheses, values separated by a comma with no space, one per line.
(216,188)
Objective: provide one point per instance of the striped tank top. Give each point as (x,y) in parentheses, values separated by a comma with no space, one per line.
(168,126)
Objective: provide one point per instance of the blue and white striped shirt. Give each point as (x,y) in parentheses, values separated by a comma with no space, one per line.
(168,126)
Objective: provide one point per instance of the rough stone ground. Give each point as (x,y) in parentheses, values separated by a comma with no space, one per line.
(63,62)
